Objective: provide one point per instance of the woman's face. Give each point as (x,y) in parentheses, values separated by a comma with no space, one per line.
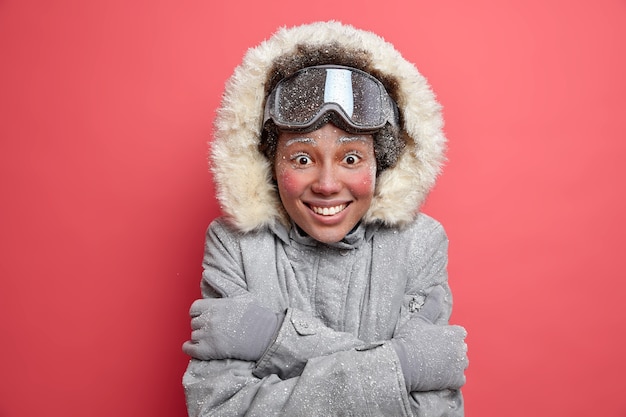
(325,179)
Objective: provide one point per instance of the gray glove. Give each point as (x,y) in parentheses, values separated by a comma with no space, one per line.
(432,357)
(231,328)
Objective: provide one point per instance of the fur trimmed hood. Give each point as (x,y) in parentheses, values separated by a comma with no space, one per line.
(243,175)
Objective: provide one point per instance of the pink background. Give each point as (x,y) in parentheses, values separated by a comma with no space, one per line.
(105,111)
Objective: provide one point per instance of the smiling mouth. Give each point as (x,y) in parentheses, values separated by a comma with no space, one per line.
(328,211)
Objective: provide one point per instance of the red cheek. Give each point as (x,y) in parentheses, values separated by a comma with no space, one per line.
(289,182)
(362,183)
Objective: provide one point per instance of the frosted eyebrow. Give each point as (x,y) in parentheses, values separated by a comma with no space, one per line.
(310,141)
(350,139)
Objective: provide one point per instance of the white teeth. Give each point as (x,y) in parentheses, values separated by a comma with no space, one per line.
(328,211)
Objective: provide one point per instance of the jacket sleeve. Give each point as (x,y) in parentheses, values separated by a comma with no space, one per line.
(353,382)
(429,268)
(303,338)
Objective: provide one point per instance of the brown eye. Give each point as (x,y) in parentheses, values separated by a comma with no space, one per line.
(302,160)
(351,159)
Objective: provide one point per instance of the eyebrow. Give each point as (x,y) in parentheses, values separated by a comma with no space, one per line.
(301,140)
(349,139)
(341,140)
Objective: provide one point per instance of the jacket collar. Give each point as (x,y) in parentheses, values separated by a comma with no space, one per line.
(362,232)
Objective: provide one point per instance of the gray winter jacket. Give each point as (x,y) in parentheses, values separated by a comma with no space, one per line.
(343,301)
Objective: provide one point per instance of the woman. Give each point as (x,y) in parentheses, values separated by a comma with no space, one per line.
(325,290)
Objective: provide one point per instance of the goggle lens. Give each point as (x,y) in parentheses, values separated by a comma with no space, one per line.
(299,101)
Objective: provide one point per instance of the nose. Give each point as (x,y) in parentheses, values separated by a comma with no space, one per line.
(327,181)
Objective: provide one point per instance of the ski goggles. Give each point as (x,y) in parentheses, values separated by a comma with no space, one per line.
(305,99)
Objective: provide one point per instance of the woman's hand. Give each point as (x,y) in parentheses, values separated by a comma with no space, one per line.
(230,328)
(433,357)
